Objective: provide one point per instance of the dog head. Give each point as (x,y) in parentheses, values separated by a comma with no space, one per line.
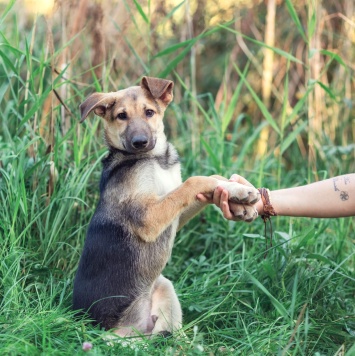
(133,116)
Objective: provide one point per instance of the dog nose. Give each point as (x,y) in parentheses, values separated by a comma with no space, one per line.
(139,141)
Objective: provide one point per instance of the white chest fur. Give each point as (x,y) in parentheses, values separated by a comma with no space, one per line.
(158,181)
(166,180)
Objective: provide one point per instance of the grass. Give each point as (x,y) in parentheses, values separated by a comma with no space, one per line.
(298,300)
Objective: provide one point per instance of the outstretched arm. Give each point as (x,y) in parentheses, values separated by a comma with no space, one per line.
(330,198)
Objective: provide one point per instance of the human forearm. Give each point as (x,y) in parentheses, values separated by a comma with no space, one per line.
(333,197)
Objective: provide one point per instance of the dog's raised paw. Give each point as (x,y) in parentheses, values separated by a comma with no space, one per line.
(246,213)
(241,194)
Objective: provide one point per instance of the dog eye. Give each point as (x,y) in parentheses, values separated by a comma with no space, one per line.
(122,116)
(149,113)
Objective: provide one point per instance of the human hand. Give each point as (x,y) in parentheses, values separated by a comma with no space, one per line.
(232,211)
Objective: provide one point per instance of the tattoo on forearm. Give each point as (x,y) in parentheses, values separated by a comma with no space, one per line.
(334,184)
(344,196)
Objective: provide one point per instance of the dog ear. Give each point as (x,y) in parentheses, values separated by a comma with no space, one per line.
(161,89)
(99,102)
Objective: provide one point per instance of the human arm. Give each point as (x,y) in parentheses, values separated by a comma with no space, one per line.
(330,198)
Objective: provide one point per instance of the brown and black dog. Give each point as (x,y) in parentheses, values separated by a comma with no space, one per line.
(143,202)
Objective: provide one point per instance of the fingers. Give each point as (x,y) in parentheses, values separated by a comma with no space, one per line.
(203,198)
(223,203)
(231,211)
(217,196)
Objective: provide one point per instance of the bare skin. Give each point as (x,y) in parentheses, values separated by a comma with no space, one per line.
(330,198)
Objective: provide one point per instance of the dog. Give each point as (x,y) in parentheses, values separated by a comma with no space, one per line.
(143,203)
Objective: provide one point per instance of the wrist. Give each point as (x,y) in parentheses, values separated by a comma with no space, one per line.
(260,207)
(266,208)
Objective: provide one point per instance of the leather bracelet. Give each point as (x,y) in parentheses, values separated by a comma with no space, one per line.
(268,211)
(268,208)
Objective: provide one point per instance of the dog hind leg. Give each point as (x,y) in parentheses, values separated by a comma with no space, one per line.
(166,310)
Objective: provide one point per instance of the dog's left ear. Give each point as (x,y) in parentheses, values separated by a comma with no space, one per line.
(160,89)
(97,102)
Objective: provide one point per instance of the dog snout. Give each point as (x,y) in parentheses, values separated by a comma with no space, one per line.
(140,142)
(138,137)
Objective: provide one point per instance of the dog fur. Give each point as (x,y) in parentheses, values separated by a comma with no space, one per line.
(143,203)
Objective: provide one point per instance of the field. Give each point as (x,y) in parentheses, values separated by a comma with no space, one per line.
(270,96)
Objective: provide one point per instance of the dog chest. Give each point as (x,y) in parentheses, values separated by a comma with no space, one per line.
(166,180)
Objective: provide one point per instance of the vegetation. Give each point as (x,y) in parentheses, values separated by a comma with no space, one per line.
(229,115)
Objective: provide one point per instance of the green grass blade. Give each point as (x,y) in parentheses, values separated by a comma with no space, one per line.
(173,48)
(14,50)
(351,351)
(296,19)
(216,162)
(196,102)
(172,12)
(141,12)
(227,117)
(135,53)
(312,23)
(335,56)
(292,136)
(260,104)
(7,10)
(327,90)
(278,306)
(262,44)
(300,105)
(247,146)
(190,42)
(7,61)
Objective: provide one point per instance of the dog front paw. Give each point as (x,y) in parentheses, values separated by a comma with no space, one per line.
(242,212)
(241,194)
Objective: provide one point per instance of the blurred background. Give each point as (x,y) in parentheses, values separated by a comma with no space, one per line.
(292,53)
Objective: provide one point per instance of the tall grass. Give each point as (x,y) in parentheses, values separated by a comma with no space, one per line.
(299,300)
